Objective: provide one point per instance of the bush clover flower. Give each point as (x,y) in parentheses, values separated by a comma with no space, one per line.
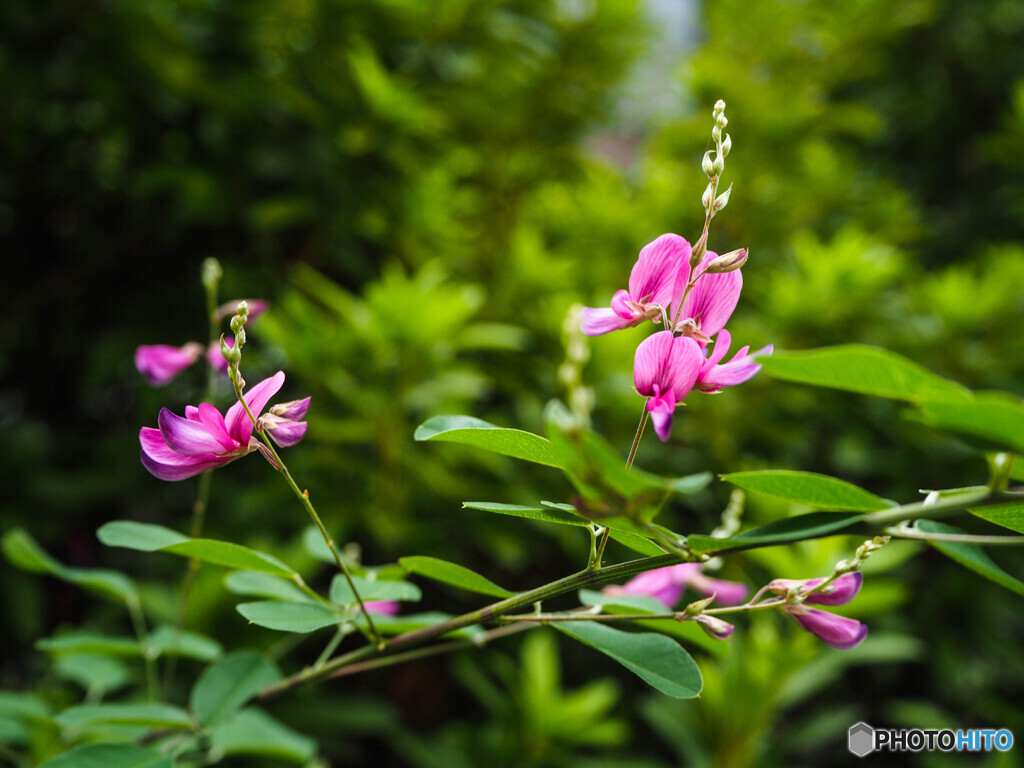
(654,283)
(159,364)
(666,585)
(203,439)
(715,374)
(664,370)
(837,631)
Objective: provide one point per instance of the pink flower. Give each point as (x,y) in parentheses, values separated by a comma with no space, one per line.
(837,631)
(283,423)
(160,363)
(653,285)
(667,584)
(715,627)
(714,374)
(183,447)
(385,607)
(665,369)
(710,303)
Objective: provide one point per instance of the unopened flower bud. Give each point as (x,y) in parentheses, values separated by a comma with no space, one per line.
(243,309)
(723,199)
(716,134)
(726,145)
(708,164)
(211,273)
(728,262)
(719,107)
(237,323)
(232,354)
(240,337)
(707,198)
(697,607)
(698,250)
(715,627)
(722,121)
(719,165)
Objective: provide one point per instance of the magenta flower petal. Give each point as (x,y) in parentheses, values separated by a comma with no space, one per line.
(655,275)
(715,627)
(187,436)
(839,592)
(667,362)
(293,409)
(663,584)
(285,432)
(725,592)
(838,631)
(238,423)
(213,422)
(661,410)
(167,464)
(597,322)
(713,298)
(160,363)
(714,375)
(385,607)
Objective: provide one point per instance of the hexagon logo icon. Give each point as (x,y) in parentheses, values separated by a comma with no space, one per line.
(860,739)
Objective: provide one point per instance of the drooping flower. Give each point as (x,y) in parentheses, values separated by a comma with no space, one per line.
(710,303)
(714,627)
(715,374)
(654,284)
(283,422)
(666,585)
(383,607)
(838,631)
(664,370)
(183,447)
(160,363)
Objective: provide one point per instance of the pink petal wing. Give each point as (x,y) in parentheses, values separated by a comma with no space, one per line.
(187,436)
(288,433)
(167,464)
(656,271)
(652,356)
(683,366)
(160,363)
(597,322)
(214,423)
(838,631)
(238,423)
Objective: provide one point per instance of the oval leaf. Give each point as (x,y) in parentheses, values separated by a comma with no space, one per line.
(970,556)
(143,713)
(470,431)
(253,732)
(110,756)
(225,687)
(1009,515)
(146,537)
(658,660)
(993,417)
(373,589)
(863,369)
(289,617)
(264,585)
(809,488)
(455,575)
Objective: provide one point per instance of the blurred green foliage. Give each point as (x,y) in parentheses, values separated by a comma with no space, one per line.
(422,189)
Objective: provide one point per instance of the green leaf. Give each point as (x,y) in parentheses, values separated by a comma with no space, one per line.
(546,514)
(149,714)
(90,642)
(658,660)
(146,537)
(96,674)
(994,417)
(809,488)
(110,756)
(970,556)
(810,526)
(225,687)
(166,640)
(863,369)
(455,575)
(22,551)
(253,732)
(289,617)
(470,431)
(24,706)
(1009,515)
(373,589)
(264,585)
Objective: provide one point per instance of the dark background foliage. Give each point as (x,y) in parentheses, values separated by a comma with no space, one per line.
(422,190)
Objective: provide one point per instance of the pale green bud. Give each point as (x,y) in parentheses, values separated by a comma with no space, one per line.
(726,145)
(716,134)
(728,262)
(721,122)
(240,338)
(723,199)
(708,197)
(719,165)
(698,250)
(243,309)
(232,354)
(211,273)
(708,164)
(719,107)
(697,608)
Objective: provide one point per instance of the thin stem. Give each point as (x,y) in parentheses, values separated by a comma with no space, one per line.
(142,634)
(331,646)
(613,617)
(303,497)
(903,532)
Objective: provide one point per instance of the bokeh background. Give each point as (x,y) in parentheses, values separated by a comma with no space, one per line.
(422,190)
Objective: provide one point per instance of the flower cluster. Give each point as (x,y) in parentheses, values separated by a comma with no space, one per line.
(183,447)
(666,585)
(837,631)
(159,364)
(692,297)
